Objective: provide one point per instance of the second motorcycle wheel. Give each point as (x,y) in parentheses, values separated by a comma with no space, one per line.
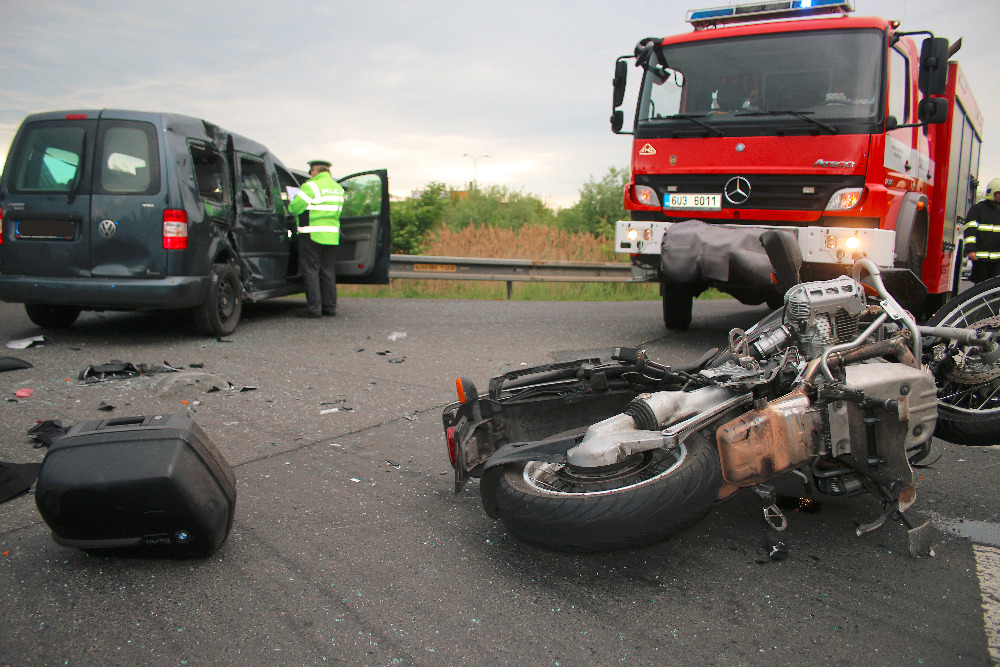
(640,501)
(968,387)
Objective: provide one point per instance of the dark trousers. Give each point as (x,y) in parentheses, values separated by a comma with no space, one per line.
(984,269)
(319,272)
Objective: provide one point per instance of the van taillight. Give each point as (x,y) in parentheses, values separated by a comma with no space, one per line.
(175,229)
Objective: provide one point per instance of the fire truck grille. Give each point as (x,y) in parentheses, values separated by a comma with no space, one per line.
(779,193)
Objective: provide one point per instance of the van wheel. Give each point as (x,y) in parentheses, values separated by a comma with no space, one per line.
(52,317)
(221,311)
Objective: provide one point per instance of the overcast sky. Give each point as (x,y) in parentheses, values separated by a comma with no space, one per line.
(403,84)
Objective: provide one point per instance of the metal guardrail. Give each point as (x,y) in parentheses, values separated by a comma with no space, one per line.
(508,270)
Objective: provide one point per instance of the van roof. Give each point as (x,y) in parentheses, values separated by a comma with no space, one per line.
(171,123)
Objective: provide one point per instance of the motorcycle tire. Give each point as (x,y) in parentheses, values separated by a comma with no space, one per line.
(969,393)
(644,500)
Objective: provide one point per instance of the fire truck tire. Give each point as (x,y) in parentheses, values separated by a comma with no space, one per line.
(644,500)
(968,388)
(220,313)
(52,317)
(678,301)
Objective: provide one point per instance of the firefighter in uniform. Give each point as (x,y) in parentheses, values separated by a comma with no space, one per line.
(323,198)
(982,234)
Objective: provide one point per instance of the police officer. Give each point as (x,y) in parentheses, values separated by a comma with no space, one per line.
(323,198)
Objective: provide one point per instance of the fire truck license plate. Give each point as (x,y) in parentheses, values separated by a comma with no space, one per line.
(704,202)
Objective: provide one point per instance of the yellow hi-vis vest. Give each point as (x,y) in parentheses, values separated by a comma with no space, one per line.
(323,197)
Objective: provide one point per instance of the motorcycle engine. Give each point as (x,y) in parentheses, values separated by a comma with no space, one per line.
(824,313)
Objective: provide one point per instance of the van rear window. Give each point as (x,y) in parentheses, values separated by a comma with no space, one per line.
(54,157)
(49,158)
(129,160)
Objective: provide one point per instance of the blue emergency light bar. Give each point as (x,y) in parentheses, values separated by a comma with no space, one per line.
(760,11)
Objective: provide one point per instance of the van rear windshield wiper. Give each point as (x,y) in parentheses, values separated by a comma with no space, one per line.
(693,117)
(803,115)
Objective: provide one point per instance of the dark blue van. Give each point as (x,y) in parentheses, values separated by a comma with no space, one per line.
(125,210)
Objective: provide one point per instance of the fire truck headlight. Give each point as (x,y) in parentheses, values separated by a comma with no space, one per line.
(845,199)
(646,195)
(632,234)
(853,243)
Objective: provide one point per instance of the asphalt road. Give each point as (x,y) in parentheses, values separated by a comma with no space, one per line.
(349,546)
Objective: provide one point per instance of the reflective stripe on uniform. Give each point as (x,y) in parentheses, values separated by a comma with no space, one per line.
(987,255)
(318,228)
(970,239)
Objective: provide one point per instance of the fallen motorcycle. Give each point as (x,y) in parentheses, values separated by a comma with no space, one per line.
(840,388)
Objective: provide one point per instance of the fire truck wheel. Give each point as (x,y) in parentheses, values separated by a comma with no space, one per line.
(969,385)
(643,500)
(678,301)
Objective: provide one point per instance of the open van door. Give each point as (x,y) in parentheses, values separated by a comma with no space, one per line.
(365,232)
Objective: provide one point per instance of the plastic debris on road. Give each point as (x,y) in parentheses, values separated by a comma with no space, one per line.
(25,342)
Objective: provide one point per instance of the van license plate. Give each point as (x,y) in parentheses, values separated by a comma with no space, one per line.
(45,229)
(711,202)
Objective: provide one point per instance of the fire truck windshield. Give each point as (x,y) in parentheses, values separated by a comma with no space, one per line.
(810,81)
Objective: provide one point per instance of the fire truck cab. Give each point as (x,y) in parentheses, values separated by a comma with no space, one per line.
(841,133)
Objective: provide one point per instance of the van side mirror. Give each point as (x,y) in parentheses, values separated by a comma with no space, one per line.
(933,110)
(621,76)
(933,77)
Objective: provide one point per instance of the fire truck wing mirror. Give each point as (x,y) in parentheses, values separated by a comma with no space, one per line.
(933,110)
(933,77)
(891,123)
(617,120)
(621,76)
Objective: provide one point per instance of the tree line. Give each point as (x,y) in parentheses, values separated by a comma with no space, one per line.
(440,205)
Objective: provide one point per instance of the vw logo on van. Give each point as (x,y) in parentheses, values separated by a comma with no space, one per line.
(107,228)
(737,190)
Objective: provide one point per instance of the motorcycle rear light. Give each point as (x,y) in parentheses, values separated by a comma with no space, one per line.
(450,433)
(175,229)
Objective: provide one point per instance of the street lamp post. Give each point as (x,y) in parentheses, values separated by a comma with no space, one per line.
(475,159)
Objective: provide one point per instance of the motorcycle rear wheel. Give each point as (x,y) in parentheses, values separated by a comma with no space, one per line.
(968,390)
(644,500)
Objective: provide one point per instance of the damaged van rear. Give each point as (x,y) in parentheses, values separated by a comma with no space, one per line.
(123,210)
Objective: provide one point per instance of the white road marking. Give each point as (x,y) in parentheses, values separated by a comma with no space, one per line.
(988,569)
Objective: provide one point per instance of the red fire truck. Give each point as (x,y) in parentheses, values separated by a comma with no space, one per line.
(849,136)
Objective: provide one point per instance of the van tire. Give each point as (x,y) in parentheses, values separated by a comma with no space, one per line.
(220,313)
(52,317)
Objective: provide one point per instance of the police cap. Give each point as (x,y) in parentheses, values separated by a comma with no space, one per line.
(319,163)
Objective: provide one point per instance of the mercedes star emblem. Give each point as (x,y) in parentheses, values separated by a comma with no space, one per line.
(737,190)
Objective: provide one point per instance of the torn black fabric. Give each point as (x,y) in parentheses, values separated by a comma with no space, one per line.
(16,478)
(47,432)
(13,364)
